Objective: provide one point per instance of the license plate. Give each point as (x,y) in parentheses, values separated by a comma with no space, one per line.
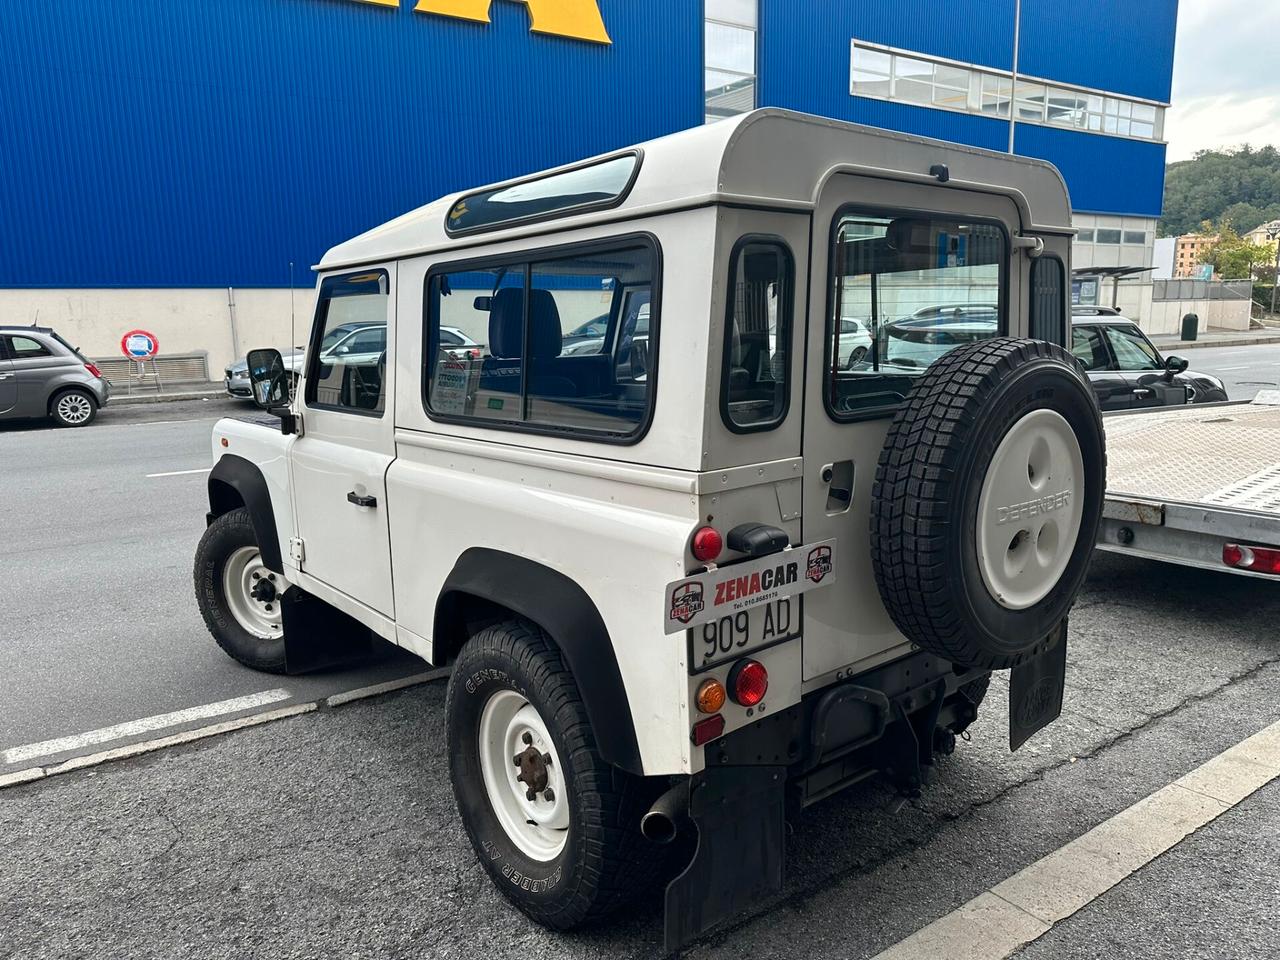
(740,587)
(736,634)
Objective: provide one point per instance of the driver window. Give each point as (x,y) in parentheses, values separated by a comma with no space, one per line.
(905,291)
(1132,350)
(348,358)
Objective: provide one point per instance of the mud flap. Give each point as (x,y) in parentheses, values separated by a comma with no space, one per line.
(739,815)
(1036,687)
(316,636)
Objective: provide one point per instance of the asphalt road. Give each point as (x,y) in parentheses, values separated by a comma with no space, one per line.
(1244,370)
(334,834)
(98,623)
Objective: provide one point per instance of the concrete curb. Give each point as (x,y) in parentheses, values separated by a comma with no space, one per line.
(1245,341)
(212,393)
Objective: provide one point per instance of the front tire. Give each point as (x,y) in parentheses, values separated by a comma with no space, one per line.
(572,853)
(73,408)
(239,598)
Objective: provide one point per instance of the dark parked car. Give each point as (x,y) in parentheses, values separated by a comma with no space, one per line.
(41,375)
(1127,370)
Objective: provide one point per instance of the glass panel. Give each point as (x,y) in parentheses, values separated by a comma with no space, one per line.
(1088,348)
(945,75)
(951,98)
(1030,99)
(907,67)
(1109,124)
(913,91)
(1084,236)
(599,183)
(905,291)
(348,368)
(869,85)
(1095,103)
(1113,107)
(730,48)
(872,61)
(591,383)
(1133,351)
(1144,112)
(1095,122)
(1144,130)
(1064,107)
(757,370)
(996,95)
(1135,236)
(1108,236)
(728,94)
(22,348)
(733,11)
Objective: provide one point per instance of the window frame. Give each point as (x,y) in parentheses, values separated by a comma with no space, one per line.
(1065,305)
(787,303)
(1002,307)
(560,212)
(317,335)
(528,257)
(13,353)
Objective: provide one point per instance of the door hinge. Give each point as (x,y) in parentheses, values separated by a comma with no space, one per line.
(297,550)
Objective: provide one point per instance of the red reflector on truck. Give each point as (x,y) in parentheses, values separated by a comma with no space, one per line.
(1259,559)
(704,731)
(748,682)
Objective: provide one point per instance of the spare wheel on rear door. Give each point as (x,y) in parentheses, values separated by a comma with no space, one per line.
(987,500)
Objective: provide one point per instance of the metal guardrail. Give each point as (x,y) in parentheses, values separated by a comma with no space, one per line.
(1202,290)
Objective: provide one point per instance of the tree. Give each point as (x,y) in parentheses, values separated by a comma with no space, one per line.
(1240,186)
(1235,258)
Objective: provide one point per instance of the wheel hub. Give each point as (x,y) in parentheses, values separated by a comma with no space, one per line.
(534,773)
(253,594)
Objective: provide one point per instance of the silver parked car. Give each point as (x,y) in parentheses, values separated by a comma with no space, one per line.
(41,375)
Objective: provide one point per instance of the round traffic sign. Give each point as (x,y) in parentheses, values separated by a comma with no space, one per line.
(139,345)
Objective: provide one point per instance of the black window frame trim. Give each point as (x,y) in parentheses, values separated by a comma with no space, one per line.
(739,245)
(313,349)
(559,213)
(881,412)
(529,257)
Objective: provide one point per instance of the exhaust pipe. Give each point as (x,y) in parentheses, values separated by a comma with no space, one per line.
(669,811)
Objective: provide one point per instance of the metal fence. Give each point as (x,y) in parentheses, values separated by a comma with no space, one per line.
(1202,290)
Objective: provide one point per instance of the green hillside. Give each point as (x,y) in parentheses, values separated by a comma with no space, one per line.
(1240,186)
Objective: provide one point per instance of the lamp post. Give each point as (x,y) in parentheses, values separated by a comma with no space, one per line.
(1273,233)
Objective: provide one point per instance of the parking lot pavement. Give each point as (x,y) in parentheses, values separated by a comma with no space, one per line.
(99,624)
(335,834)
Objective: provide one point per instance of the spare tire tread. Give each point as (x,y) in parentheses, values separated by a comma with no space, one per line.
(913,494)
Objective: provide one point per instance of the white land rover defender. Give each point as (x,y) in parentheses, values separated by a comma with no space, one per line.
(703,566)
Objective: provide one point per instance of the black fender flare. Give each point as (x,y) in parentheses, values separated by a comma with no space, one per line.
(235,480)
(562,608)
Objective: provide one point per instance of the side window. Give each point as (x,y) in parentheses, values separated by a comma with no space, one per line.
(23,348)
(569,342)
(1088,348)
(904,291)
(1133,352)
(1048,299)
(755,388)
(348,356)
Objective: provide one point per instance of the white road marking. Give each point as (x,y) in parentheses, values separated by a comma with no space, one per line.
(1247,366)
(178,473)
(132,728)
(999,922)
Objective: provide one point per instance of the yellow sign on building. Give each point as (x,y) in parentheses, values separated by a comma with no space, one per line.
(576,19)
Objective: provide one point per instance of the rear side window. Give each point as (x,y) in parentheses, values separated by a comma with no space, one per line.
(755,380)
(1048,299)
(348,355)
(905,290)
(24,348)
(565,342)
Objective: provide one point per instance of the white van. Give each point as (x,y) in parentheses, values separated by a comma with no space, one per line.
(705,569)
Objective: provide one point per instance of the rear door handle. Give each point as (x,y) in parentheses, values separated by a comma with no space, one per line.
(360,501)
(1144,393)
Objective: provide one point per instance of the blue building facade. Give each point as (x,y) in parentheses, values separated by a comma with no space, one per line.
(166,144)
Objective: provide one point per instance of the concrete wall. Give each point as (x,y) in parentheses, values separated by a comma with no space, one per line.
(1166,315)
(184,321)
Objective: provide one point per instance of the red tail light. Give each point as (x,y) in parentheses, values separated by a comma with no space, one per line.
(93,368)
(748,682)
(1258,559)
(704,731)
(706,544)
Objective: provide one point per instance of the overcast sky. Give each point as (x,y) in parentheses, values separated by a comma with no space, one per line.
(1226,82)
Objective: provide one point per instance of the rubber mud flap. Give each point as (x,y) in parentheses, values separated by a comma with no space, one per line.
(739,815)
(320,637)
(1035,689)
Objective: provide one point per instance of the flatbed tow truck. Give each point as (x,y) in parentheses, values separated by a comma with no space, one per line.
(1197,485)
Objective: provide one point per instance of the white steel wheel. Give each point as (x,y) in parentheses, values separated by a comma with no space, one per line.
(1030,509)
(253,594)
(523,779)
(73,408)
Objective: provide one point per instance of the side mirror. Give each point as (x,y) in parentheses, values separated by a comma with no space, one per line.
(268,379)
(483,304)
(1173,365)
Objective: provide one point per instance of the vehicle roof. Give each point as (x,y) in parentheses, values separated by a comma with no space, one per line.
(770,157)
(23,328)
(1101,320)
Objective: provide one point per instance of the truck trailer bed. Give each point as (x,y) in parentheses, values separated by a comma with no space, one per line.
(1192,484)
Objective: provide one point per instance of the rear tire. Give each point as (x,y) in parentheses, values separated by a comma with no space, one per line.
(73,408)
(573,857)
(228,569)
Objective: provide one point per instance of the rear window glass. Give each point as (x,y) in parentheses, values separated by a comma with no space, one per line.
(758,337)
(562,343)
(599,184)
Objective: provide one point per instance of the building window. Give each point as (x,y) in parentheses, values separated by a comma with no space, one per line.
(729,81)
(1084,236)
(887,74)
(1108,236)
(1137,237)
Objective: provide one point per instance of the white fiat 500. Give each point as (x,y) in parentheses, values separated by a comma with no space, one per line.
(713,566)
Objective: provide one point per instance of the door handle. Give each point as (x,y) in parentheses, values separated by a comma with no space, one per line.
(1144,393)
(360,501)
(5,376)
